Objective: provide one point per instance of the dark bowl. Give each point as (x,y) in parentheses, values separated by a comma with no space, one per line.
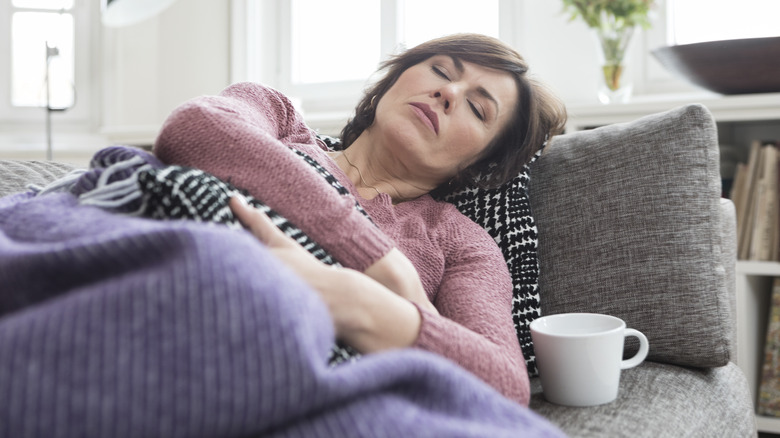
(750,65)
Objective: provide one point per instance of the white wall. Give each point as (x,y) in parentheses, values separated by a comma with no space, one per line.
(137,76)
(144,71)
(152,67)
(560,53)
(563,53)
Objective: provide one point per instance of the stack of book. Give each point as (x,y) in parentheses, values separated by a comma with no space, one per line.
(769,390)
(756,195)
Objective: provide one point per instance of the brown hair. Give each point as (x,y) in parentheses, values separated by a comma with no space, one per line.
(538,115)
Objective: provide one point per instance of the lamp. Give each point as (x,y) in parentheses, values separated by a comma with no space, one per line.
(118,13)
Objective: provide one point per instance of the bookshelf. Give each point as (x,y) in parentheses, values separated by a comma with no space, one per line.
(740,121)
(733,111)
(754,289)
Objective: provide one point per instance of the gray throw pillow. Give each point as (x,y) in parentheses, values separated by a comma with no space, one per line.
(629,225)
(16,175)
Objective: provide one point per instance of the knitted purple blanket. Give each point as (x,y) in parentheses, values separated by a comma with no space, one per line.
(117,326)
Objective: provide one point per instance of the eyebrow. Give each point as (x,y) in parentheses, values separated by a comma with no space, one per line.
(481,90)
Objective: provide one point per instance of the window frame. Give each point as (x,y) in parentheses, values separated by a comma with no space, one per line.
(16,118)
(260,56)
(316,96)
(654,79)
(268,60)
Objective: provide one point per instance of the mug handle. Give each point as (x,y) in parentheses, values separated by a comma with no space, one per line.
(639,357)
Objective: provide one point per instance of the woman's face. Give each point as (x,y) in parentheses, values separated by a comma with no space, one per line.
(442,113)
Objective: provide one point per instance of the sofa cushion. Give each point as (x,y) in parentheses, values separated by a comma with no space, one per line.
(629,225)
(18,174)
(505,213)
(660,400)
(728,225)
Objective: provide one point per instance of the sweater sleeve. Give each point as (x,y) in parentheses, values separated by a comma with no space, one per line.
(245,136)
(475,327)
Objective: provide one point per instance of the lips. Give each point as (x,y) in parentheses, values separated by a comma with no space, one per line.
(427,115)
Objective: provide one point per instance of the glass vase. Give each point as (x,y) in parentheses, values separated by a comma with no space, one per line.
(614,83)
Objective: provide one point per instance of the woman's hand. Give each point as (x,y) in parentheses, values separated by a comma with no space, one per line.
(394,270)
(398,274)
(282,246)
(366,314)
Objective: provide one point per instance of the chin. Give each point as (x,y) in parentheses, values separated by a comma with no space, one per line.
(403,135)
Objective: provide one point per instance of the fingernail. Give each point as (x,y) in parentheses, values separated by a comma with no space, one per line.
(241,199)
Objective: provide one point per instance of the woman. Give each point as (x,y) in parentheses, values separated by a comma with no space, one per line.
(452,112)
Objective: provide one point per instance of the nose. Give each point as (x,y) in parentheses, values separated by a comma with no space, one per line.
(447,95)
(445,103)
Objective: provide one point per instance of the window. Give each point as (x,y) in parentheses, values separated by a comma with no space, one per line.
(317,56)
(462,16)
(42,55)
(356,26)
(347,40)
(723,19)
(40,37)
(312,56)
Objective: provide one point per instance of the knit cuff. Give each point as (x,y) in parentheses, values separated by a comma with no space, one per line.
(433,332)
(366,248)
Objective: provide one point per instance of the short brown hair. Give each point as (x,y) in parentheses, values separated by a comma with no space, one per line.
(539,114)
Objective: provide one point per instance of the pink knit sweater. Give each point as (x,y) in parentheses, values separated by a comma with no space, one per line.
(244,135)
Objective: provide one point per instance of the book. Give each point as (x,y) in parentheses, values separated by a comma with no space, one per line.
(756,196)
(769,388)
(765,218)
(745,200)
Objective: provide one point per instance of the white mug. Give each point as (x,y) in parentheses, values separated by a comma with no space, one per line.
(580,356)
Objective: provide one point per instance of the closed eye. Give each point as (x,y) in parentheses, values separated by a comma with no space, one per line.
(476,112)
(436,69)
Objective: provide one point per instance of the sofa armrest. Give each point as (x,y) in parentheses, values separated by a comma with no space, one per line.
(18,174)
(630,224)
(728,252)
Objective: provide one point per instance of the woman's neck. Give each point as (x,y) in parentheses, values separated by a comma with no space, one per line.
(373,172)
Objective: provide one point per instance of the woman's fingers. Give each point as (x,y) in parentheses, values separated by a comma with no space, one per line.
(358,303)
(258,223)
(283,247)
(398,274)
(394,271)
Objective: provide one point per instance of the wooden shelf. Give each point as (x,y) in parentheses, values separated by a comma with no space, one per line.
(754,289)
(768,424)
(747,107)
(749,267)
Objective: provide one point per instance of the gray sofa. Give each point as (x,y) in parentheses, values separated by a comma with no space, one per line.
(631,224)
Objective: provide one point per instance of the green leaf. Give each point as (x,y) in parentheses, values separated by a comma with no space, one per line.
(610,13)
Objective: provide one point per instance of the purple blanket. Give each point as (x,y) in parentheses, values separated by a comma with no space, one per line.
(116,326)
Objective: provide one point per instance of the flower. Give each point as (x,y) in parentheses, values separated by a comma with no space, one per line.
(614,14)
(614,22)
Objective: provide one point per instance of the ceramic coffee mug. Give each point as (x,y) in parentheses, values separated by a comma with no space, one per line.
(580,356)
